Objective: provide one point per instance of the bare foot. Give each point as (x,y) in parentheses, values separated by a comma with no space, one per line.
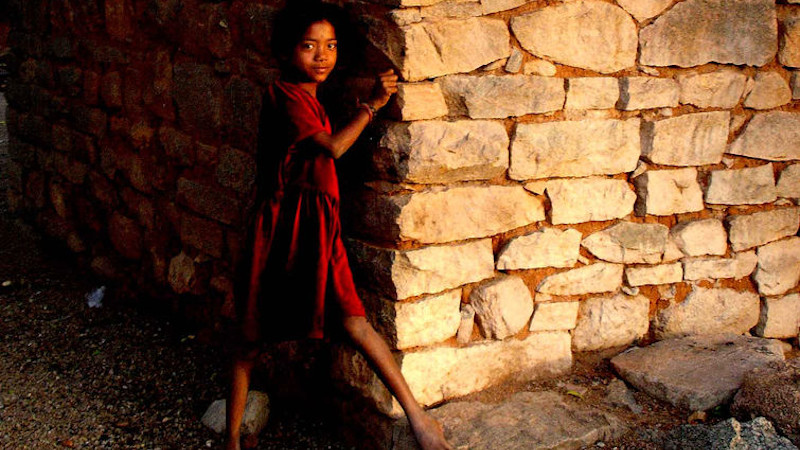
(429,433)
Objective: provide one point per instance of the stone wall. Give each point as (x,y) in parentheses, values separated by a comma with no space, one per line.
(553,177)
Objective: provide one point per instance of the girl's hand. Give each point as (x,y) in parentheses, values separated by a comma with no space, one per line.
(385,87)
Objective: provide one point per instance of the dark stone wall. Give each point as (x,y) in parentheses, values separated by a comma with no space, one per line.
(133,127)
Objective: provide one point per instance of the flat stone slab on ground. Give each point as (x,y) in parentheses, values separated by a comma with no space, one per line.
(704,371)
(541,420)
(730,434)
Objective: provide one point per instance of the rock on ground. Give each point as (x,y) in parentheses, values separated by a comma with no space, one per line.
(541,420)
(730,434)
(772,391)
(705,371)
(256,414)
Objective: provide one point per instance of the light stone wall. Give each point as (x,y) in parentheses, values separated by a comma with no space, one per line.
(571,167)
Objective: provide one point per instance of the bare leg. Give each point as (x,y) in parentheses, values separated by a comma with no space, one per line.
(426,429)
(240,382)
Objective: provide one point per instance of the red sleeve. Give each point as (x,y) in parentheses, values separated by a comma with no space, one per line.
(304,115)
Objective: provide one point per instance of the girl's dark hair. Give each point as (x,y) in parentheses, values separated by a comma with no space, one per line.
(291,23)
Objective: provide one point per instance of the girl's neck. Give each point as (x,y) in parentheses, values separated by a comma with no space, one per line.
(309,87)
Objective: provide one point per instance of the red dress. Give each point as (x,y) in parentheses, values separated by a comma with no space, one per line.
(298,273)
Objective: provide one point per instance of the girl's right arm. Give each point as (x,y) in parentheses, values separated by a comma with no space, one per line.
(341,141)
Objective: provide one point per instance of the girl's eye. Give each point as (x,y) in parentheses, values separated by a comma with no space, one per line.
(333,46)
(306,46)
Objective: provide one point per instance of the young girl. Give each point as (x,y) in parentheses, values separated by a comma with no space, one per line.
(297,245)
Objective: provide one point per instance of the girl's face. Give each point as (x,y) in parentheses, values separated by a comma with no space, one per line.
(315,55)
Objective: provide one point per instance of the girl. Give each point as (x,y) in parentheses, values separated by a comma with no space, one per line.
(297,246)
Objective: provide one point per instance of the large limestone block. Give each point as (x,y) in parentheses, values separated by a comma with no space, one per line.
(628,242)
(742,32)
(592,93)
(555,316)
(770,90)
(591,279)
(703,371)
(645,9)
(750,186)
(610,322)
(647,93)
(789,54)
(591,35)
(778,266)
(704,268)
(652,275)
(439,373)
(502,307)
(709,311)
(548,247)
(789,182)
(751,230)
(442,215)
(719,89)
(795,82)
(399,274)
(498,97)
(780,317)
(430,49)
(422,322)
(667,192)
(574,148)
(493,6)
(419,101)
(688,140)
(773,135)
(442,152)
(526,420)
(700,237)
(589,199)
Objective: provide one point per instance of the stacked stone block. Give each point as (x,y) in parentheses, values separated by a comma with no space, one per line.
(619,197)
(552,177)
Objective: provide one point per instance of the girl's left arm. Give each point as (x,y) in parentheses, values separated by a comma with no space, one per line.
(339,142)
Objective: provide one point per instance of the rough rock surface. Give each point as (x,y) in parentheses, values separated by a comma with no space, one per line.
(442,152)
(628,242)
(442,215)
(555,316)
(647,93)
(650,275)
(618,394)
(700,237)
(548,247)
(772,391)
(738,267)
(667,192)
(642,10)
(256,414)
(425,321)
(770,90)
(720,89)
(709,310)
(399,274)
(592,35)
(789,53)
(773,135)
(751,230)
(592,93)
(688,140)
(430,49)
(542,420)
(789,182)
(594,278)
(419,101)
(502,307)
(589,199)
(610,322)
(750,186)
(730,434)
(742,32)
(704,371)
(780,317)
(498,97)
(574,148)
(778,266)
